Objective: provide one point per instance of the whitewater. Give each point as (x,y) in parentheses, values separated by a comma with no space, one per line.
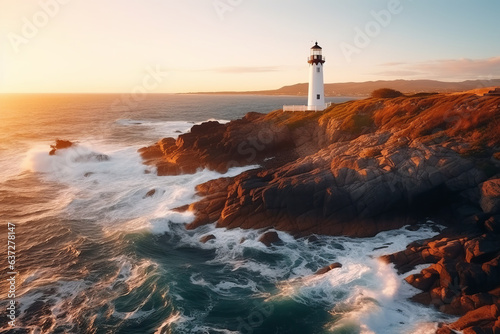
(101,248)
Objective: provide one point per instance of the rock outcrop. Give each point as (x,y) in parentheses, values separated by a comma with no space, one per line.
(216,146)
(65,144)
(328,268)
(337,192)
(490,196)
(271,238)
(463,277)
(206,238)
(60,145)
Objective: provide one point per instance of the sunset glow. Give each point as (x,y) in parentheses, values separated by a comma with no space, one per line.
(91,46)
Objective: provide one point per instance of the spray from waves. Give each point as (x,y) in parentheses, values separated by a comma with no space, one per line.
(123,294)
(116,187)
(364,296)
(108,194)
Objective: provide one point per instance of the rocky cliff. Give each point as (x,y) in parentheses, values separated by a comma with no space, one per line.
(355,169)
(362,167)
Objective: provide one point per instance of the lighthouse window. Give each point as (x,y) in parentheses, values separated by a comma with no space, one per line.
(318,69)
(318,97)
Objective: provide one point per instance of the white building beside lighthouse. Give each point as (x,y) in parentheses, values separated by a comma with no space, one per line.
(316,91)
(316,95)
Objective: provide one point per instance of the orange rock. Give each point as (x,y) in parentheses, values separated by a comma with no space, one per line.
(482,316)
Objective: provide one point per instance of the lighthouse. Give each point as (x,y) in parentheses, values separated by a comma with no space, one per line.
(316,96)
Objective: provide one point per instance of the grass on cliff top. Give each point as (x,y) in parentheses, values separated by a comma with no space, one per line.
(352,115)
(468,117)
(293,119)
(439,117)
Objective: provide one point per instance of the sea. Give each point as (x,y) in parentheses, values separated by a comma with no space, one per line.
(95,252)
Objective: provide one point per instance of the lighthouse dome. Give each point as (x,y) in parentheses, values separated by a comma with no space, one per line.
(316,47)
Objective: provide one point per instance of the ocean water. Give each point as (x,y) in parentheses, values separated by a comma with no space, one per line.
(94,254)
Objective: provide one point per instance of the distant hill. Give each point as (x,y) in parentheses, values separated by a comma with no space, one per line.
(365,88)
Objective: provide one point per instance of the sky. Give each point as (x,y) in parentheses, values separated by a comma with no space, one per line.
(174,46)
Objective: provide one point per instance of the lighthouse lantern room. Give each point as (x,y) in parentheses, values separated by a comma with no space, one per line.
(316,96)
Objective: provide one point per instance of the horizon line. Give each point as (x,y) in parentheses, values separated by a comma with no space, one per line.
(247,91)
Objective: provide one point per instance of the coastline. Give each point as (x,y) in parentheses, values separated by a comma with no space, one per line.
(359,168)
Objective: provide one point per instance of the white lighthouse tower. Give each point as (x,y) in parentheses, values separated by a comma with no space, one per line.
(316,96)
